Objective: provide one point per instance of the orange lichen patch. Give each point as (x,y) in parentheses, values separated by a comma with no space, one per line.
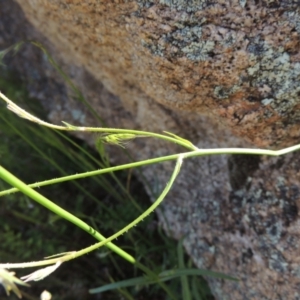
(294,131)
(214,59)
(226,70)
(241,117)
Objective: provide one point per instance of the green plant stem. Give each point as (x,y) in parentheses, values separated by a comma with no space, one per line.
(14,181)
(102,165)
(24,114)
(11,179)
(52,162)
(200,152)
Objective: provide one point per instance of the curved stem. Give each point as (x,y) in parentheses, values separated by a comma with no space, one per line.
(14,181)
(11,179)
(68,127)
(105,241)
(200,152)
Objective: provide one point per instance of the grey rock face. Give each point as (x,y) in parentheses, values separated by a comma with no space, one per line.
(221,73)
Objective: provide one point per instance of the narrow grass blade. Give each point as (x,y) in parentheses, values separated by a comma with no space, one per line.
(138,281)
(14,181)
(195,291)
(186,295)
(196,272)
(164,276)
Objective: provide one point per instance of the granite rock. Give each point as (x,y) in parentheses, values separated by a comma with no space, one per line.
(220,73)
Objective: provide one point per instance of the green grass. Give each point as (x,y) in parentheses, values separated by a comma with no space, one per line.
(30,232)
(158,268)
(95,200)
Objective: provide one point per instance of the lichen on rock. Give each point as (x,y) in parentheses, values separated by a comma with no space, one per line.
(220,73)
(273,68)
(184,5)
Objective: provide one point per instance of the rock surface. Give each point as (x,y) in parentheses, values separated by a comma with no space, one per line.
(202,70)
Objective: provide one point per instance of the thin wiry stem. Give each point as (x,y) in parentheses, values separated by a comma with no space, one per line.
(14,181)
(120,132)
(200,152)
(75,254)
